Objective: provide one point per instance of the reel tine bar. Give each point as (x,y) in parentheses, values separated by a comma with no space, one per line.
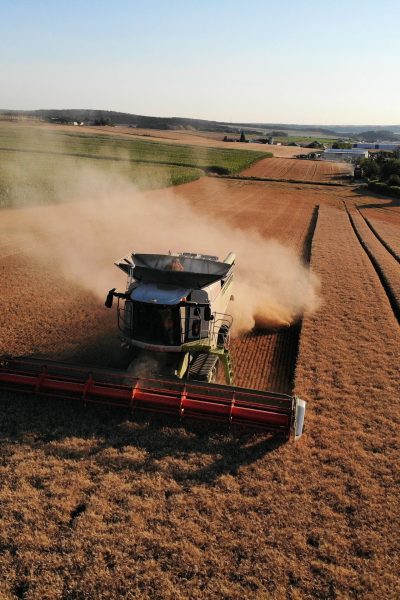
(232,405)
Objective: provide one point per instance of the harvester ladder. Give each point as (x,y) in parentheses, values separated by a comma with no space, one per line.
(227,362)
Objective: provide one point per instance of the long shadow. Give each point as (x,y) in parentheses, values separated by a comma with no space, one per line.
(342,177)
(60,428)
(103,351)
(385,281)
(389,201)
(57,428)
(307,244)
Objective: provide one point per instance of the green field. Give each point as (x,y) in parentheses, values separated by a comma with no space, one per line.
(36,162)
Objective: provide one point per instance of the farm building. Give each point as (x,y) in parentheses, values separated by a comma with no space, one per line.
(346,154)
(378,145)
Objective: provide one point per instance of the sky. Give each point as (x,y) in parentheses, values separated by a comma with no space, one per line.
(280,61)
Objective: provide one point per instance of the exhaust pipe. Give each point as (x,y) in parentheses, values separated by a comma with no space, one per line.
(230,259)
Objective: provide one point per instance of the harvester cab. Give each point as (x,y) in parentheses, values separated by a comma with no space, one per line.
(176,304)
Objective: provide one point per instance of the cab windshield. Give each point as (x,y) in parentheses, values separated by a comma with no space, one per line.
(156,324)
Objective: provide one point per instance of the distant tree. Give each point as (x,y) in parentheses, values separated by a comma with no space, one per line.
(370,168)
(315,144)
(390,167)
(394,180)
(58,120)
(342,145)
(279,134)
(102,122)
(383,156)
(242,137)
(376,135)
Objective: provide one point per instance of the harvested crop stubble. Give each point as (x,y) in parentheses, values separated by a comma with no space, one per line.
(97,505)
(275,210)
(381,209)
(42,313)
(386,264)
(386,226)
(266,360)
(290,168)
(348,363)
(390,234)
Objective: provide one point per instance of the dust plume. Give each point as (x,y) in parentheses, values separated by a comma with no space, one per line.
(145,365)
(107,217)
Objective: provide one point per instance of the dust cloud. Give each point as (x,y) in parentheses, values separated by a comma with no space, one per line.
(103,217)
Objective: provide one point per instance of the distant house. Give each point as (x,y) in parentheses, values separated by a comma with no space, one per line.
(344,154)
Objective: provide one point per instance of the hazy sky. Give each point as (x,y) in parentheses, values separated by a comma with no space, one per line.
(292,61)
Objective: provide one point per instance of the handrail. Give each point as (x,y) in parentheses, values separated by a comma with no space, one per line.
(217,328)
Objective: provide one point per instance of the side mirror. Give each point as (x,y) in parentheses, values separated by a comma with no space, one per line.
(207,313)
(110,297)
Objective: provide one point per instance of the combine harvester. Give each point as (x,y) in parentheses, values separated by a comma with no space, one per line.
(174,309)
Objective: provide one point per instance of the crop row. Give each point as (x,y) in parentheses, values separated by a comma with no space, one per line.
(290,168)
(348,369)
(388,231)
(385,264)
(265,360)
